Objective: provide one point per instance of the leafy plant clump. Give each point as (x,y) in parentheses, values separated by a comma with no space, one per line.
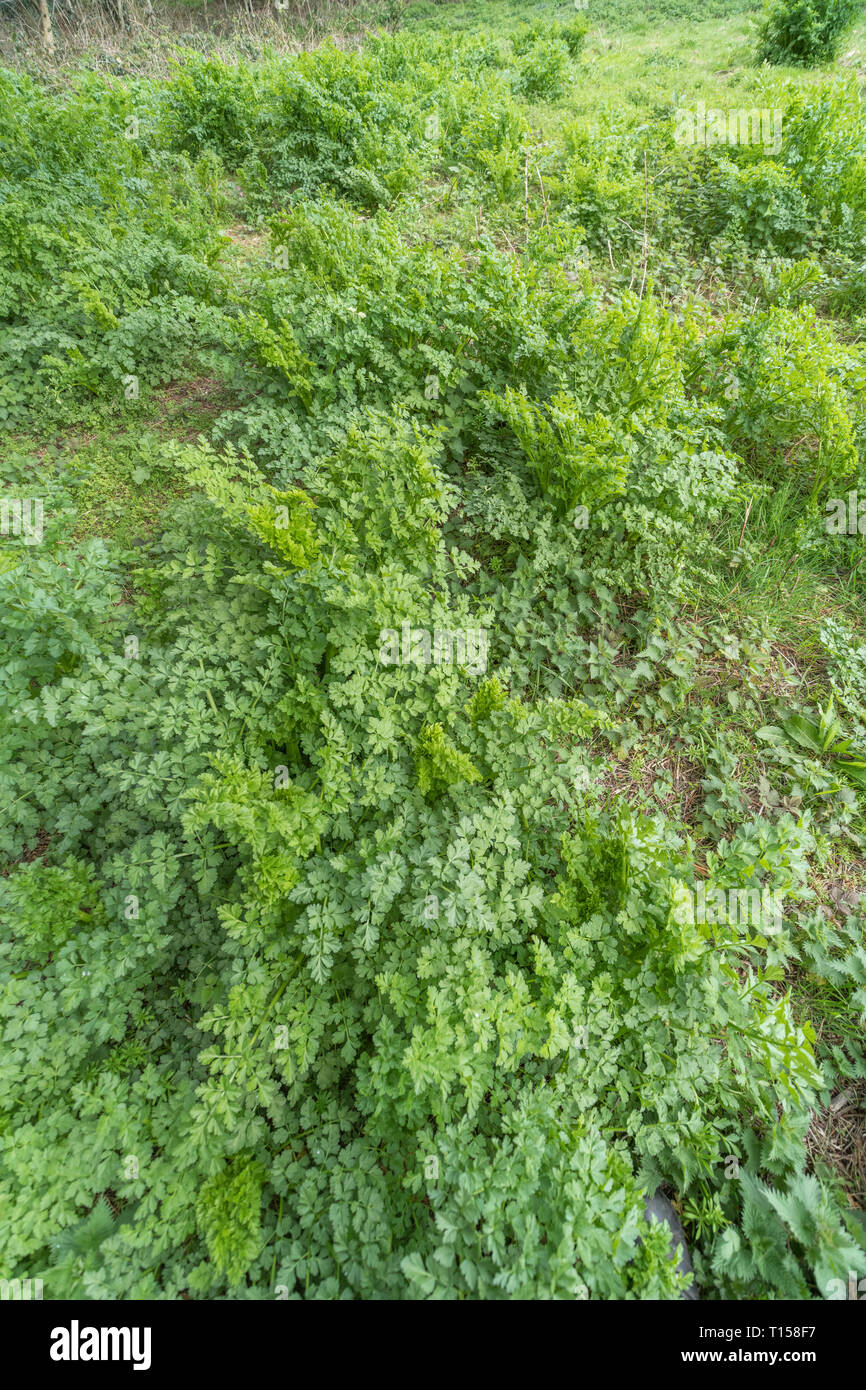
(804,32)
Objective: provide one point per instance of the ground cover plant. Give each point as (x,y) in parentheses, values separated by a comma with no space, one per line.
(434,672)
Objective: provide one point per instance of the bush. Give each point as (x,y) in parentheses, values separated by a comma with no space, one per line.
(543,70)
(825,148)
(600,186)
(573,33)
(804,32)
(760,203)
(792,394)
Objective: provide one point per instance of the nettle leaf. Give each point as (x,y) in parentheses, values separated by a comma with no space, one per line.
(88,1235)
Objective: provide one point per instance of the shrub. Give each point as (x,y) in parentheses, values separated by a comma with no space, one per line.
(600,185)
(804,32)
(762,204)
(573,33)
(824,146)
(542,73)
(789,390)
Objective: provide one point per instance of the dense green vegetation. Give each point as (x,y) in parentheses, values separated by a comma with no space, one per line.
(805,31)
(435,600)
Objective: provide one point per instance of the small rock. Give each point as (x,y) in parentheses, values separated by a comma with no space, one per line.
(659,1208)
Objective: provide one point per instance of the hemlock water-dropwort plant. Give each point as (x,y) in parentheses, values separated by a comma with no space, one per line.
(416,837)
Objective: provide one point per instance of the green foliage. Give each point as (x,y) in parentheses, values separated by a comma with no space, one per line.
(825,147)
(786,1237)
(542,72)
(804,31)
(363,126)
(575,459)
(440,764)
(600,184)
(88,1235)
(762,204)
(824,738)
(787,387)
(345,955)
(572,32)
(228,1212)
(107,250)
